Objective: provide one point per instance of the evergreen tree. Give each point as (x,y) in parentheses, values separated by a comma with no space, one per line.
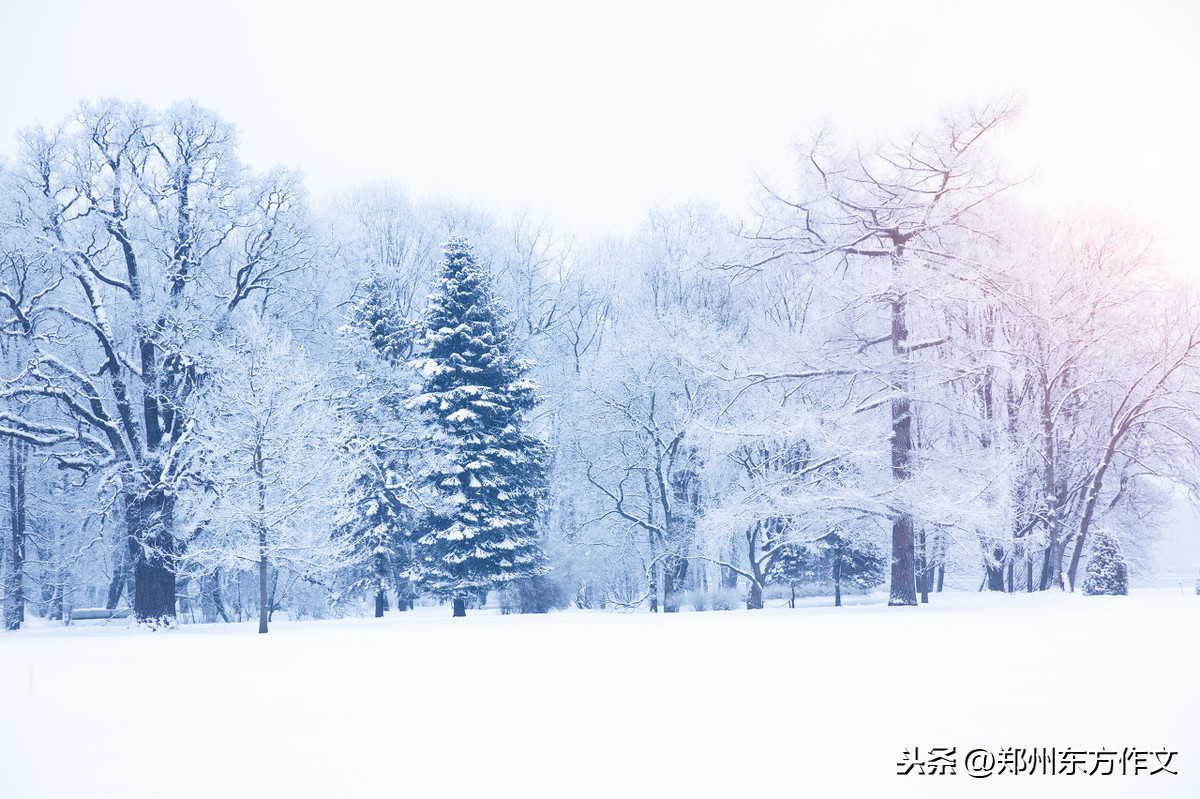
(382,322)
(377,535)
(487,476)
(1106,571)
(382,519)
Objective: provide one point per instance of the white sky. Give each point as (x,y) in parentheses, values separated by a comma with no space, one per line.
(593,113)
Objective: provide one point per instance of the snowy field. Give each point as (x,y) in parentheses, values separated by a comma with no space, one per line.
(816,702)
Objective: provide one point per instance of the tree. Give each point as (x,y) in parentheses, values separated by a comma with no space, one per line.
(1106,573)
(278,459)
(647,480)
(148,235)
(788,493)
(898,215)
(376,534)
(378,530)
(487,476)
(834,560)
(1088,368)
(644,377)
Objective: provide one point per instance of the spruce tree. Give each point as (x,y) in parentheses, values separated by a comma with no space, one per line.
(376,532)
(487,476)
(381,519)
(1106,571)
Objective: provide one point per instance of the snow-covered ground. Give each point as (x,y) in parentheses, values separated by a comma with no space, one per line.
(815,702)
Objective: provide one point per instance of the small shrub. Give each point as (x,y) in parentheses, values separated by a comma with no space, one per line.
(539,594)
(728,599)
(696,600)
(721,599)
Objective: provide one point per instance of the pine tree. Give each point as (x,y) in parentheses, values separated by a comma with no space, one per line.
(1106,570)
(487,475)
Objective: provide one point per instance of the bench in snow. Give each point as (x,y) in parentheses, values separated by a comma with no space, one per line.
(81,614)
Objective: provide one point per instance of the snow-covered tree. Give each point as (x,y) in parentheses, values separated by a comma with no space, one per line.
(1106,573)
(377,535)
(896,216)
(147,234)
(278,462)
(1086,370)
(784,495)
(380,339)
(836,560)
(487,475)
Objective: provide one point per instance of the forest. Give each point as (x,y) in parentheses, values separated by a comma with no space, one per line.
(221,400)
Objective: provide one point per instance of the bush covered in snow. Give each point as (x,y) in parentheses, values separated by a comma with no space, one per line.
(718,599)
(539,594)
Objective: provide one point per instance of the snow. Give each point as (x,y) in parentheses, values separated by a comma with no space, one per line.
(817,701)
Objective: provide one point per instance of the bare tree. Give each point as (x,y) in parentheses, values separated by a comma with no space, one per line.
(278,456)
(1094,368)
(150,235)
(899,214)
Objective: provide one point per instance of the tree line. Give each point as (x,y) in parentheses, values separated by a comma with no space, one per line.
(221,399)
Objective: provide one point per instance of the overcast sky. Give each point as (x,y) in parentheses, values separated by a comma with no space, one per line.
(592,113)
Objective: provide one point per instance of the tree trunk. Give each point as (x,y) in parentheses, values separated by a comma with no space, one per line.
(903,585)
(460,607)
(729,578)
(1073,569)
(264,596)
(405,593)
(924,568)
(995,570)
(56,603)
(1052,563)
(272,602)
(837,579)
(211,601)
(154,554)
(120,574)
(380,603)
(154,583)
(14,597)
(674,573)
(904,570)
(754,600)
(117,586)
(660,590)
(1089,508)
(183,596)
